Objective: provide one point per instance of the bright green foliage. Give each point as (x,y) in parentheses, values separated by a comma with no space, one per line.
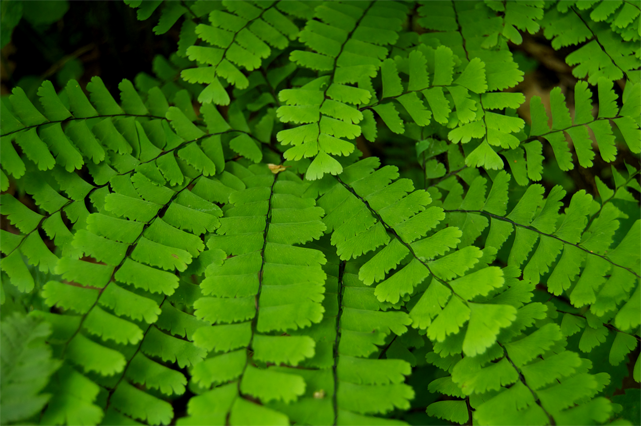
(374,212)
(606,27)
(348,383)
(351,41)
(269,287)
(526,378)
(142,232)
(213,237)
(483,122)
(521,15)
(577,128)
(577,253)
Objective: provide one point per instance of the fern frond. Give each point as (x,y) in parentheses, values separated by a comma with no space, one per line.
(346,382)
(268,287)
(606,54)
(623,17)
(576,129)
(574,253)
(349,41)
(115,141)
(419,65)
(517,15)
(457,27)
(240,36)
(141,232)
(365,210)
(527,373)
(93,130)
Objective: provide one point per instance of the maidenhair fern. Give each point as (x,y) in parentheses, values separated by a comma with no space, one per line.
(209,247)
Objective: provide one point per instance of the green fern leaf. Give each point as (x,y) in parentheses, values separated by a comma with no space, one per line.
(266,219)
(343,41)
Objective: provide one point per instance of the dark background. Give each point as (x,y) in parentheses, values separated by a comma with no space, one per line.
(92,38)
